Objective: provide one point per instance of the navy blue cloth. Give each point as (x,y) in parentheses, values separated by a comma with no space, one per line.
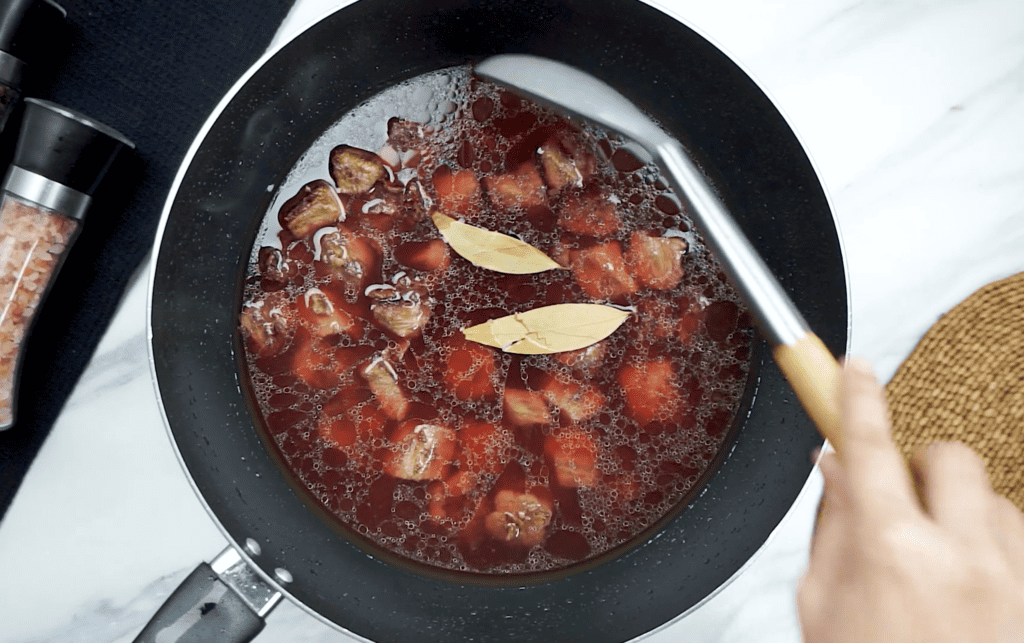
(153,70)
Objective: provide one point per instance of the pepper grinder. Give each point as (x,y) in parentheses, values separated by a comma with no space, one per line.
(12,15)
(60,158)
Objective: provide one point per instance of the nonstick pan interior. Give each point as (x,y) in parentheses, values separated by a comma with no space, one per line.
(227,184)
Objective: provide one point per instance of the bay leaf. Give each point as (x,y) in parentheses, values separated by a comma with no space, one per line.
(549,329)
(492,250)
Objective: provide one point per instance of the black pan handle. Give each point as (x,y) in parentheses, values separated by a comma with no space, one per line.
(220,603)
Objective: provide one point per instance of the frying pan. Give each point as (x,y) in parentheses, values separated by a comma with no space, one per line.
(281,542)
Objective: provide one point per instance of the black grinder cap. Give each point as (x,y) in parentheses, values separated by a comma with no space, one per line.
(65,146)
(25,23)
(33,31)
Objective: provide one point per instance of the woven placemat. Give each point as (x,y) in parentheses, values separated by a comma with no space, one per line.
(965,381)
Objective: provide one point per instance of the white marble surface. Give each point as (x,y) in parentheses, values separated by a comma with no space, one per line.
(913,111)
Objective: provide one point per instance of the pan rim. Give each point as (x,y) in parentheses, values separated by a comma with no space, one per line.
(153,263)
(186,164)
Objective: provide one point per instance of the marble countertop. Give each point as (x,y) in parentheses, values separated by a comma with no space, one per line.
(913,113)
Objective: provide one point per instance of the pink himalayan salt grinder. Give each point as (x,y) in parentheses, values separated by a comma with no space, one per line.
(59,160)
(25,29)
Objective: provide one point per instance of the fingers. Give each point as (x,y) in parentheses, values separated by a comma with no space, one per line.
(955,491)
(831,509)
(809,603)
(834,501)
(878,478)
(1010,534)
(831,546)
(953,487)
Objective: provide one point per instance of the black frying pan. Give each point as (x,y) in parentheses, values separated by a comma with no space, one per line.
(210,223)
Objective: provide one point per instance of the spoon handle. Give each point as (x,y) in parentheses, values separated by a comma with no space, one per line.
(813,373)
(804,359)
(807,363)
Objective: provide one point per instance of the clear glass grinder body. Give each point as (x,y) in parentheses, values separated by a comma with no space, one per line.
(33,242)
(61,157)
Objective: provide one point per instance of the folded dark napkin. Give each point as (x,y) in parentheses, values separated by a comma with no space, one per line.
(153,70)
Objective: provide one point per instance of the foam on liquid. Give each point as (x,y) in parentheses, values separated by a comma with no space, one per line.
(644,473)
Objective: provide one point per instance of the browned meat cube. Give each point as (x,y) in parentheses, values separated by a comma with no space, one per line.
(355,171)
(403,308)
(519,518)
(382,379)
(601,271)
(573,457)
(323,317)
(522,188)
(350,257)
(577,401)
(422,451)
(591,214)
(656,262)
(266,324)
(525,408)
(315,206)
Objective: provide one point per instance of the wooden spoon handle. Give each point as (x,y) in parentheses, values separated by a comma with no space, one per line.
(814,374)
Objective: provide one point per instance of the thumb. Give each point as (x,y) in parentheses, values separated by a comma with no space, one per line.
(832,509)
(877,476)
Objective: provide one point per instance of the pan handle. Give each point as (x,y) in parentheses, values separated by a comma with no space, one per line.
(222,602)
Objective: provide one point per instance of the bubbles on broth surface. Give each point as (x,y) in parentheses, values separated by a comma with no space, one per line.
(336,436)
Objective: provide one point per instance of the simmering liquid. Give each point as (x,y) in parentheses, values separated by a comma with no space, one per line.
(455,454)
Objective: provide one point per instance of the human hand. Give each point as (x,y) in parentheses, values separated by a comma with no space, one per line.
(930,554)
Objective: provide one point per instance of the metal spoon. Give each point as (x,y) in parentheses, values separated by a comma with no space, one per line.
(808,365)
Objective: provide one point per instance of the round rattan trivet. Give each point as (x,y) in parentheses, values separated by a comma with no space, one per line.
(965,381)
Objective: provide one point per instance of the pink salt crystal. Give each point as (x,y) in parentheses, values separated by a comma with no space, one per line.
(32,243)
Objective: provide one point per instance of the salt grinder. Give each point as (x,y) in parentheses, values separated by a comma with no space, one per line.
(59,160)
(12,14)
